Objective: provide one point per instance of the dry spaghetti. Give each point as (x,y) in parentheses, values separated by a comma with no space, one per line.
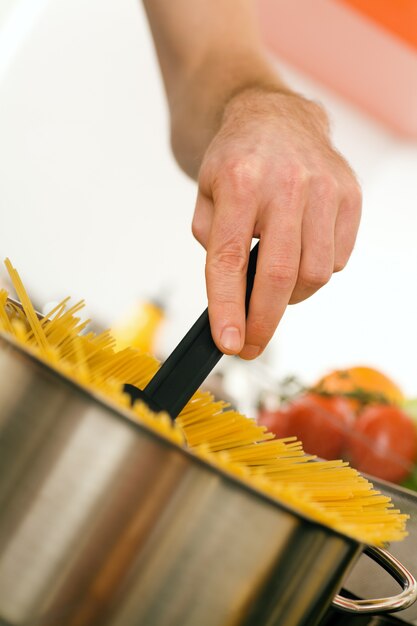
(330,492)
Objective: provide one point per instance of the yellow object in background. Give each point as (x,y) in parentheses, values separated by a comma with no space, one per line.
(139,327)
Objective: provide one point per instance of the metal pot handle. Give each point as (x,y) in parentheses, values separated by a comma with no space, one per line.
(383,605)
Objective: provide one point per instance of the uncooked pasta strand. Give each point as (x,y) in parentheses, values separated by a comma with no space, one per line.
(330,492)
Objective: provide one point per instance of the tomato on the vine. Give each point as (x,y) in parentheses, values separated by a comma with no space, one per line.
(276,421)
(383,443)
(320,422)
(362,384)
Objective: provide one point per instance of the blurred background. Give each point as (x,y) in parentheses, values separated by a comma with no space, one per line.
(93,205)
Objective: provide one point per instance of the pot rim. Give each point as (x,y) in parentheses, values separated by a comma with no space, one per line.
(124,413)
(356,547)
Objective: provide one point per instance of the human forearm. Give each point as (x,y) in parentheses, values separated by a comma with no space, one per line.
(265,165)
(197,114)
(208,53)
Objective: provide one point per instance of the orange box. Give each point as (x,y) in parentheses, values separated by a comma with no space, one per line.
(364,49)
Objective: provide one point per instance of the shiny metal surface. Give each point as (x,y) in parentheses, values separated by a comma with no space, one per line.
(393,603)
(103,523)
(18,304)
(365,580)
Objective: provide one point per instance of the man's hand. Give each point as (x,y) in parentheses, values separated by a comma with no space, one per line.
(271,172)
(264,163)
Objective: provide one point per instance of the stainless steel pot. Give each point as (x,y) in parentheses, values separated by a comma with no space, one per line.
(103,523)
(336,618)
(364,580)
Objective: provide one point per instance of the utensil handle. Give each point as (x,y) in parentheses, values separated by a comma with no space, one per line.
(383,605)
(192,360)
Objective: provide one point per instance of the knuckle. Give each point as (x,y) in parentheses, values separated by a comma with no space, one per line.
(340,265)
(232,259)
(327,186)
(342,257)
(223,305)
(282,276)
(242,173)
(295,174)
(293,180)
(315,277)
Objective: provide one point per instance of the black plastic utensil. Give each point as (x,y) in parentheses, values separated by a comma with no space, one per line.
(189,364)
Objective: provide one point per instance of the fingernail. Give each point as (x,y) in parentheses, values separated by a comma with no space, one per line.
(230,339)
(251,352)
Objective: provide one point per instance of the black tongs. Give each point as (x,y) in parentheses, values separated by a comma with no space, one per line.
(189,364)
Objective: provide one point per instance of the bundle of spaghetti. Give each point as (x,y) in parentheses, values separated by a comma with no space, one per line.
(329,492)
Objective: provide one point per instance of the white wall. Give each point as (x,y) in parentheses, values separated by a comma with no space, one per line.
(92,203)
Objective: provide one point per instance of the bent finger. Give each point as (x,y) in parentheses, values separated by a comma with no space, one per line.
(276,275)
(317,241)
(346,228)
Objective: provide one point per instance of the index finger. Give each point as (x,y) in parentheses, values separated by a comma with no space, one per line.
(226,266)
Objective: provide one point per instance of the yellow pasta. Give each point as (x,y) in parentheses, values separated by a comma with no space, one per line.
(329,492)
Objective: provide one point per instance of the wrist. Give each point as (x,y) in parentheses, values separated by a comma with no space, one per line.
(267,100)
(201,101)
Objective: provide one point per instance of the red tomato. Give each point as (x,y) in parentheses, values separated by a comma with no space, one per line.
(275,420)
(383,443)
(320,422)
